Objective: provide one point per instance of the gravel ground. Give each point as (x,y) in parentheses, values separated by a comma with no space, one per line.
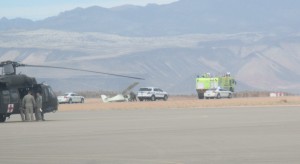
(183,102)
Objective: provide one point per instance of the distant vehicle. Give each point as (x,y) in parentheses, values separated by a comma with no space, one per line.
(151,93)
(217,93)
(206,81)
(70,98)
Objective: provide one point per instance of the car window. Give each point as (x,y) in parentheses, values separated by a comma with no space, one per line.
(156,90)
(145,89)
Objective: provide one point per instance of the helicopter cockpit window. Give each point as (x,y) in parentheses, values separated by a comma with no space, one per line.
(51,93)
(5,96)
(14,96)
(45,96)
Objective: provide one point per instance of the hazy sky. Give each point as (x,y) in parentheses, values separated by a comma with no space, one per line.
(40,9)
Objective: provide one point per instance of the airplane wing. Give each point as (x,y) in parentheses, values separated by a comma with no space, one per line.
(129,88)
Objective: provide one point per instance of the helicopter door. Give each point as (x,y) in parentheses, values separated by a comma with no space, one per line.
(14,100)
(50,103)
(5,97)
(10,101)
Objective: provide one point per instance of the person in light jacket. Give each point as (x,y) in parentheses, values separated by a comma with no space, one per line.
(28,104)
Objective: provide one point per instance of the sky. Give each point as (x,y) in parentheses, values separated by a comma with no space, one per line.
(40,9)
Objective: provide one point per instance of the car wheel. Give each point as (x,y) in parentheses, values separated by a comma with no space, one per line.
(153,98)
(70,101)
(218,96)
(82,101)
(166,97)
(229,95)
(141,99)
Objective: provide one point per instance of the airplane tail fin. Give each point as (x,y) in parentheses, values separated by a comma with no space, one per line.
(104,98)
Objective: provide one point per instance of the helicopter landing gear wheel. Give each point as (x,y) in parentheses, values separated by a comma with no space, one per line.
(2,118)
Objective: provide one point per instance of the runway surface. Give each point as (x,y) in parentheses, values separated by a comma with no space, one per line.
(156,136)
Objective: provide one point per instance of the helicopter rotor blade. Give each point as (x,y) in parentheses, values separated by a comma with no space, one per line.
(83,70)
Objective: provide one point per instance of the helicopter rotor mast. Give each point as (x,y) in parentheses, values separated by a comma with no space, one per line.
(12,65)
(9,67)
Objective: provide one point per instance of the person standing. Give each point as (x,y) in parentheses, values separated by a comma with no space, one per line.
(28,105)
(132,96)
(21,109)
(39,105)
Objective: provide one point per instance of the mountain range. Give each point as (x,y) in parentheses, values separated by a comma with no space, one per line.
(168,45)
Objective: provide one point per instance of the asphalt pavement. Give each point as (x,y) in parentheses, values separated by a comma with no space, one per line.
(247,135)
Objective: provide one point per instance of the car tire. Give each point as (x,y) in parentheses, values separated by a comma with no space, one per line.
(229,95)
(82,101)
(70,101)
(218,96)
(153,98)
(165,97)
(141,99)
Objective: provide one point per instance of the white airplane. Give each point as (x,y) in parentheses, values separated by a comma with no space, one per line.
(117,98)
(124,97)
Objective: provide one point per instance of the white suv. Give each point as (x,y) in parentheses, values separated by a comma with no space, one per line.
(152,93)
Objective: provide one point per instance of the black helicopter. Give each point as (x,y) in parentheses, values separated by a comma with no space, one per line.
(13,87)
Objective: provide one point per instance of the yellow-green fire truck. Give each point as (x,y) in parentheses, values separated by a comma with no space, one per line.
(206,82)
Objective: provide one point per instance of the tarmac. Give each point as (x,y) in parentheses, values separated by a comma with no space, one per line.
(233,135)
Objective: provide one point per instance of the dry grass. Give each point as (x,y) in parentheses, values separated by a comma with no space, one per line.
(183,102)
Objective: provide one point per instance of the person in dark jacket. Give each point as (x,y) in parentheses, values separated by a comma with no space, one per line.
(39,105)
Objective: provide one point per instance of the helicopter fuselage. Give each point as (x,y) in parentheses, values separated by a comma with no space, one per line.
(14,87)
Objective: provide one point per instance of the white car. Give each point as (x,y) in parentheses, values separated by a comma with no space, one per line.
(151,93)
(217,93)
(70,98)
